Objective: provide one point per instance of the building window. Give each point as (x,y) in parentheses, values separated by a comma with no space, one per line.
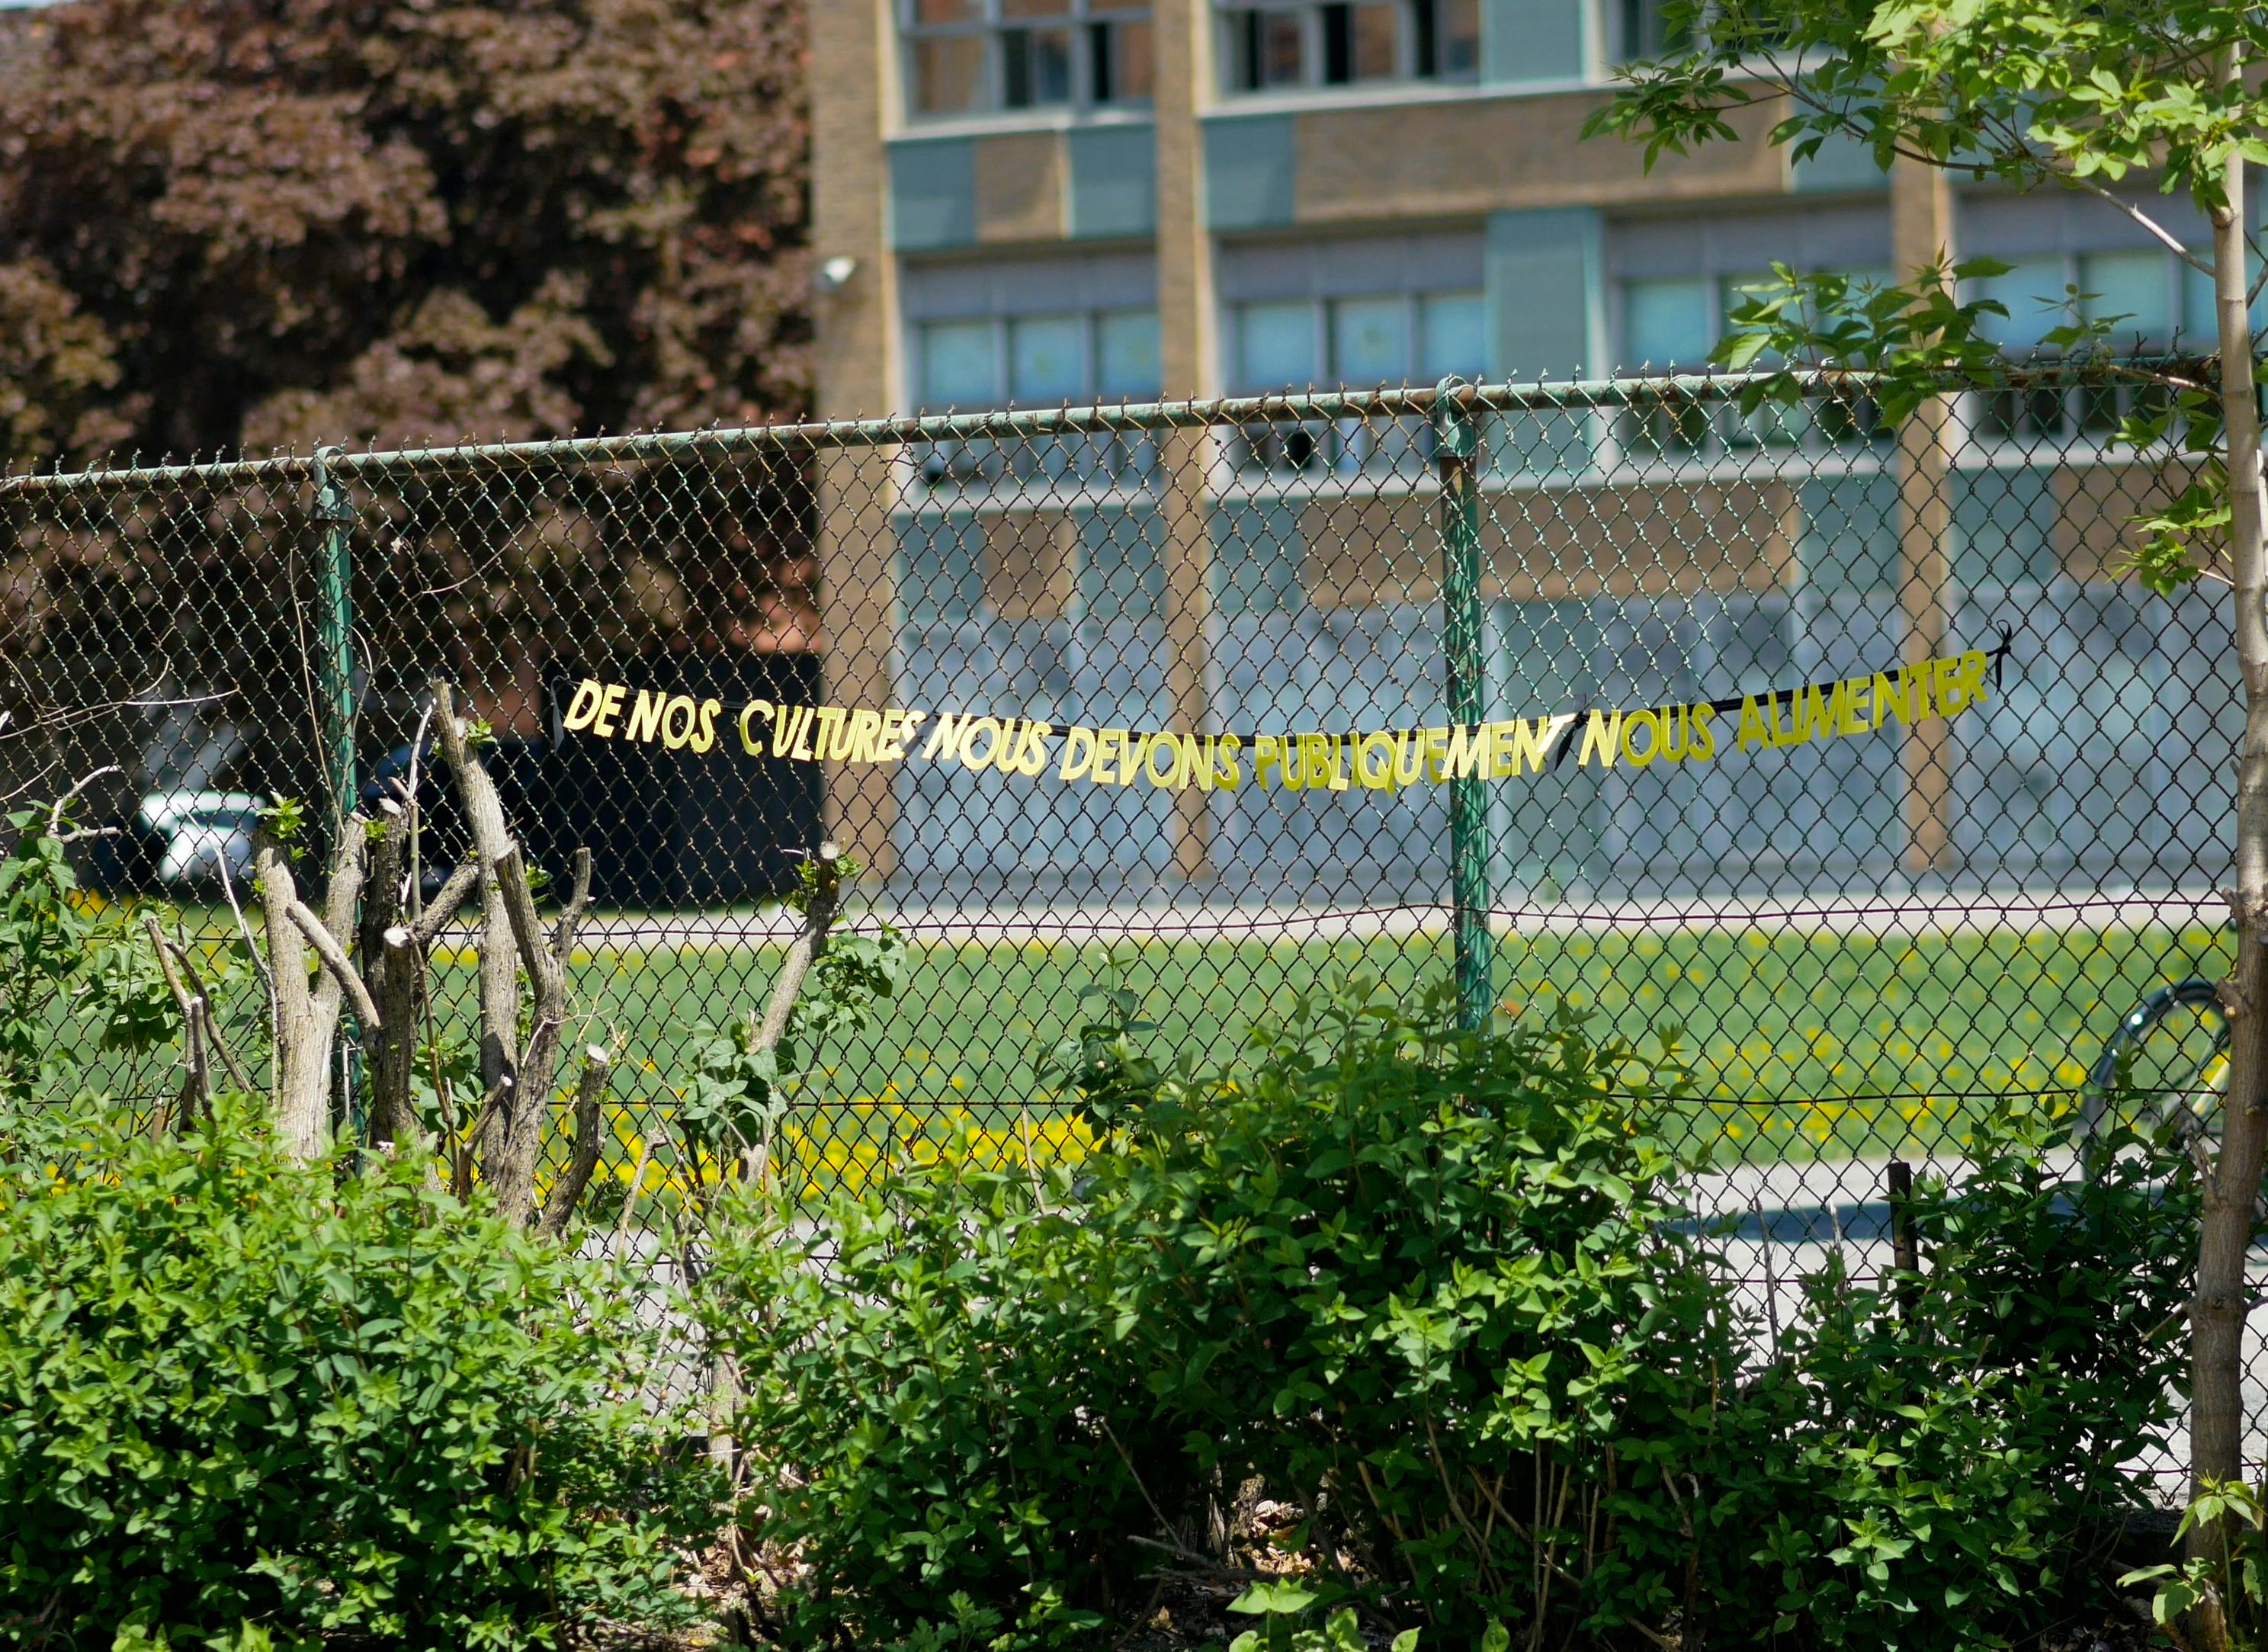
(1032,332)
(1045,360)
(1676,281)
(1648,31)
(1362,340)
(980,56)
(1282,45)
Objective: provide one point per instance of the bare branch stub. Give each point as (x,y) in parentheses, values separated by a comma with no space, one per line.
(590,1092)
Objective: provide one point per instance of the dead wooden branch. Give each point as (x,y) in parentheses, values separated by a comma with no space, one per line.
(197,991)
(196,1083)
(818,920)
(335,960)
(516,1075)
(307,1010)
(567,1192)
(499,973)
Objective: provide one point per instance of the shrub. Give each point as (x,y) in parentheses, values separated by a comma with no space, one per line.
(1430,1286)
(1436,1290)
(943,1416)
(235,1390)
(1939,1452)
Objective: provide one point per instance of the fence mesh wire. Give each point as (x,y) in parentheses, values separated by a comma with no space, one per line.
(1278,649)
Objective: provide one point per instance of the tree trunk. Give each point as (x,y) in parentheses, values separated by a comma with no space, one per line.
(2217,1315)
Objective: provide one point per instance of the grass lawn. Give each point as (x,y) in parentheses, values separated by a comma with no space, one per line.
(1803,1044)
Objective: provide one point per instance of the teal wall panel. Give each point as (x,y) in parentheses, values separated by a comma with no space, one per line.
(933,194)
(1249,172)
(1114,181)
(1525,40)
(1545,272)
(1841,164)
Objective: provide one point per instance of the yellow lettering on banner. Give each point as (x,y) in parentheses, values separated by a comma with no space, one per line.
(858,740)
(645,716)
(753,709)
(1921,690)
(1799,726)
(945,737)
(1970,673)
(970,728)
(1435,744)
(1827,711)
(1819,713)
(1631,724)
(1467,750)
(830,725)
(704,737)
(1195,767)
(1266,758)
(1889,697)
(1315,761)
(1130,755)
(1032,748)
(1753,731)
(1172,748)
(1408,758)
(1502,737)
(1342,761)
(1853,719)
(802,752)
(1109,753)
(1382,778)
(1004,755)
(1078,753)
(1229,776)
(585,705)
(610,707)
(907,727)
(1705,740)
(897,738)
(1676,733)
(1603,736)
(679,718)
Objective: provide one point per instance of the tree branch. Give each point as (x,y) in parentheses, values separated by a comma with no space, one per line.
(445,901)
(335,960)
(56,809)
(567,1192)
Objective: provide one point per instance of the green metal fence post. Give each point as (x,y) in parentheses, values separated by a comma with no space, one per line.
(335,635)
(1456,458)
(335,687)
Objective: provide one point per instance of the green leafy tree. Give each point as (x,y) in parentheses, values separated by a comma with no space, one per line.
(2067,95)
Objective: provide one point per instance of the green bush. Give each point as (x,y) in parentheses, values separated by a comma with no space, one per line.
(235,1390)
(1939,1452)
(944,1413)
(1437,1291)
(1430,1287)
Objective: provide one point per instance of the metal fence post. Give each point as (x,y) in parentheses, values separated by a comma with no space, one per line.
(334,686)
(335,635)
(1456,458)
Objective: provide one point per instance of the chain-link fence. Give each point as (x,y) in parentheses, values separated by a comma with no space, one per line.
(1852,754)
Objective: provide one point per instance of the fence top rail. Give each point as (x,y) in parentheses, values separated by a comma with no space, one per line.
(1537,396)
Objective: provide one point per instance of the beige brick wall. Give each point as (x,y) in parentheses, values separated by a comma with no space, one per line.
(1473,156)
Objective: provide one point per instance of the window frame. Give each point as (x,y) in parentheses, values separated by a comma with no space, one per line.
(1081,19)
(1230,17)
